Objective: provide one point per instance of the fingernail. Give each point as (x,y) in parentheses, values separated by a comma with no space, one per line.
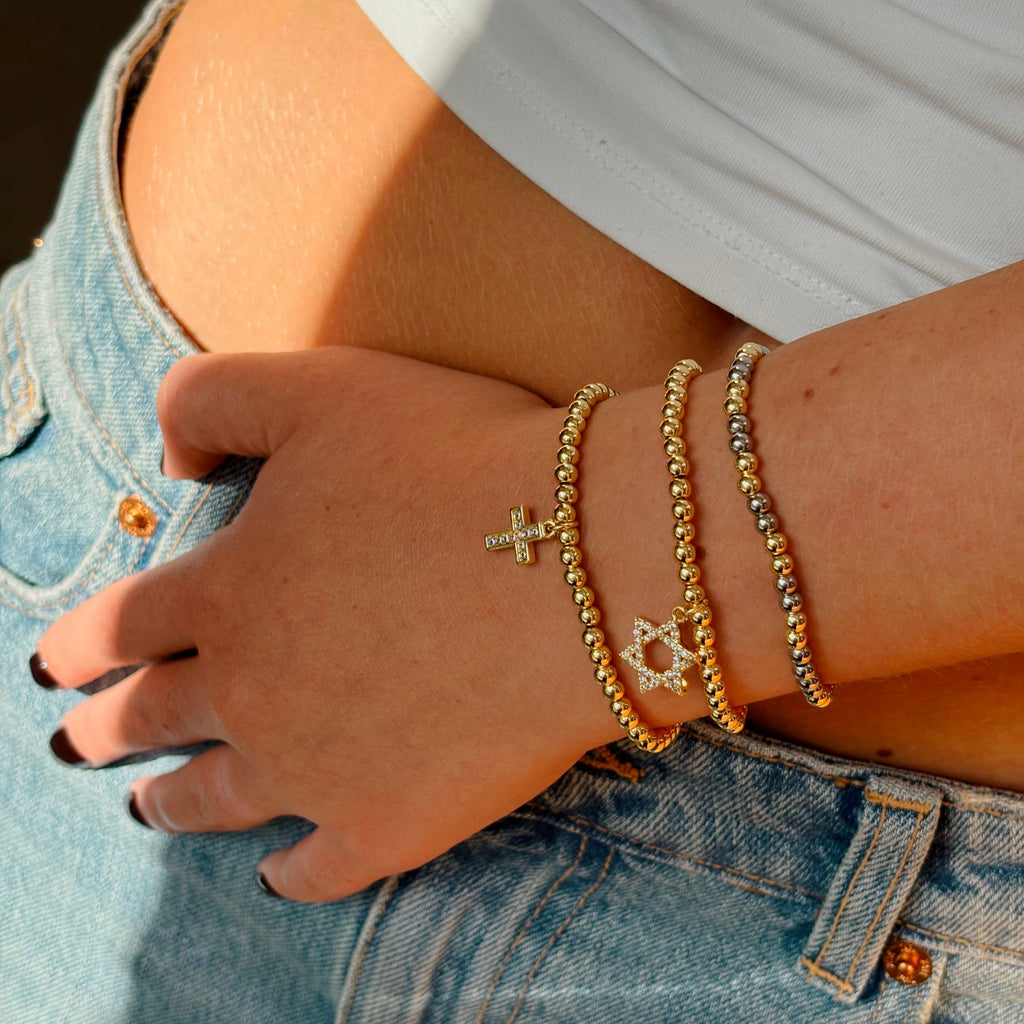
(63,749)
(262,883)
(133,809)
(41,672)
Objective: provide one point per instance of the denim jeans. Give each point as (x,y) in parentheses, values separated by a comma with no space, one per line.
(731,879)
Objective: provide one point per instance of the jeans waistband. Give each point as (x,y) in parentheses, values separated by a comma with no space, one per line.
(887,853)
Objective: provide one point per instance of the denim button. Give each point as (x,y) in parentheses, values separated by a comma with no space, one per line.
(908,964)
(136,517)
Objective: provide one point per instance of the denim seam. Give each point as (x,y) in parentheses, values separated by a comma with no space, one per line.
(971,943)
(841,780)
(885,899)
(100,157)
(913,1000)
(580,904)
(815,965)
(365,951)
(820,972)
(85,402)
(67,598)
(879,998)
(29,388)
(604,759)
(555,885)
(637,845)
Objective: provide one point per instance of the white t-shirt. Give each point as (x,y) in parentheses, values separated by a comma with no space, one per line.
(797,162)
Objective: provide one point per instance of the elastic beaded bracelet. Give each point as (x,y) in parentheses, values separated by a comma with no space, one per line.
(564,525)
(816,693)
(698,612)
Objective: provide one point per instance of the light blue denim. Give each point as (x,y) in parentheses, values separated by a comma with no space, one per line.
(731,879)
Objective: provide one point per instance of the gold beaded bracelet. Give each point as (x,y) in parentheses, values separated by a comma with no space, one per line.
(564,525)
(694,608)
(816,693)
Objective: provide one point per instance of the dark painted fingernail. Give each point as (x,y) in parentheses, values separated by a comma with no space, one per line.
(41,672)
(133,810)
(63,749)
(262,883)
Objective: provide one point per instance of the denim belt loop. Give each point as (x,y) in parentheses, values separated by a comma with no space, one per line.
(880,867)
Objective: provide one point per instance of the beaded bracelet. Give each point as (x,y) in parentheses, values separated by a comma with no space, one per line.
(816,693)
(564,525)
(698,612)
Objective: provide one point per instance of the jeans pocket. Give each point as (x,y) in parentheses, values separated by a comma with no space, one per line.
(60,535)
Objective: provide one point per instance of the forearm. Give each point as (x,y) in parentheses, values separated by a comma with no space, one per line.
(887,447)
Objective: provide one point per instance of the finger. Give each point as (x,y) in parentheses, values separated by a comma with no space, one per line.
(160,706)
(317,869)
(145,617)
(214,405)
(215,791)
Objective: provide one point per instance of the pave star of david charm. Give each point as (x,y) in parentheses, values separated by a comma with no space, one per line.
(635,654)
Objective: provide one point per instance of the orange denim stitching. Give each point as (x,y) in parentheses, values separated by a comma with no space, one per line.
(879,998)
(555,885)
(885,899)
(820,972)
(960,941)
(605,759)
(903,805)
(844,902)
(557,935)
(30,387)
(103,430)
(674,854)
(364,952)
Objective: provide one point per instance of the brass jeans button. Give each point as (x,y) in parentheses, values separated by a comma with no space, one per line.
(136,517)
(908,964)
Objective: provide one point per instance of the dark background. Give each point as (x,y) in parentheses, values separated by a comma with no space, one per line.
(51,54)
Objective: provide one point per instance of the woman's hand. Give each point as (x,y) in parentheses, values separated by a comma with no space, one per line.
(367,664)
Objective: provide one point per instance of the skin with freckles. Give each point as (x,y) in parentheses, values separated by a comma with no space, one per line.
(409,667)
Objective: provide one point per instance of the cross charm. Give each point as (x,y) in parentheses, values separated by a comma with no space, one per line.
(521,536)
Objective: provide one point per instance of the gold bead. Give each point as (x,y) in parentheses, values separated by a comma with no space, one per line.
(583,597)
(683,531)
(569,436)
(670,427)
(796,639)
(706,656)
(775,543)
(752,350)
(569,536)
(580,409)
(679,488)
(682,508)
(701,615)
(738,389)
(704,636)
(593,637)
(671,410)
(632,722)
(749,484)
(673,447)
(571,556)
(686,553)
(796,620)
(734,406)
(782,564)
(564,513)
(567,493)
(575,577)
(678,465)
(675,392)
(600,655)
(568,455)
(590,616)
(693,594)
(689,573)
(711,674)
(621,707)
(577,423)
(613,691)
(605,674)
(566,474)
(746,462)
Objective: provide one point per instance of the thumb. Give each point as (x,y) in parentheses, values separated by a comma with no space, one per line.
(315,870)
(214,405)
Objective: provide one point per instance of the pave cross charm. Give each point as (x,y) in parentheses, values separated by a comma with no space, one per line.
(521,536)
(635,654)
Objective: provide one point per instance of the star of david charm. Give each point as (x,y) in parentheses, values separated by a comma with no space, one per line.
(635,654)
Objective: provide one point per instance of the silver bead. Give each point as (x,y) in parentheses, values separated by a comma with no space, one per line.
(767,523)
(792,602)
(739,424)
(738,372)
(801,656)
(785,584)
(759,503)
(740,443)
